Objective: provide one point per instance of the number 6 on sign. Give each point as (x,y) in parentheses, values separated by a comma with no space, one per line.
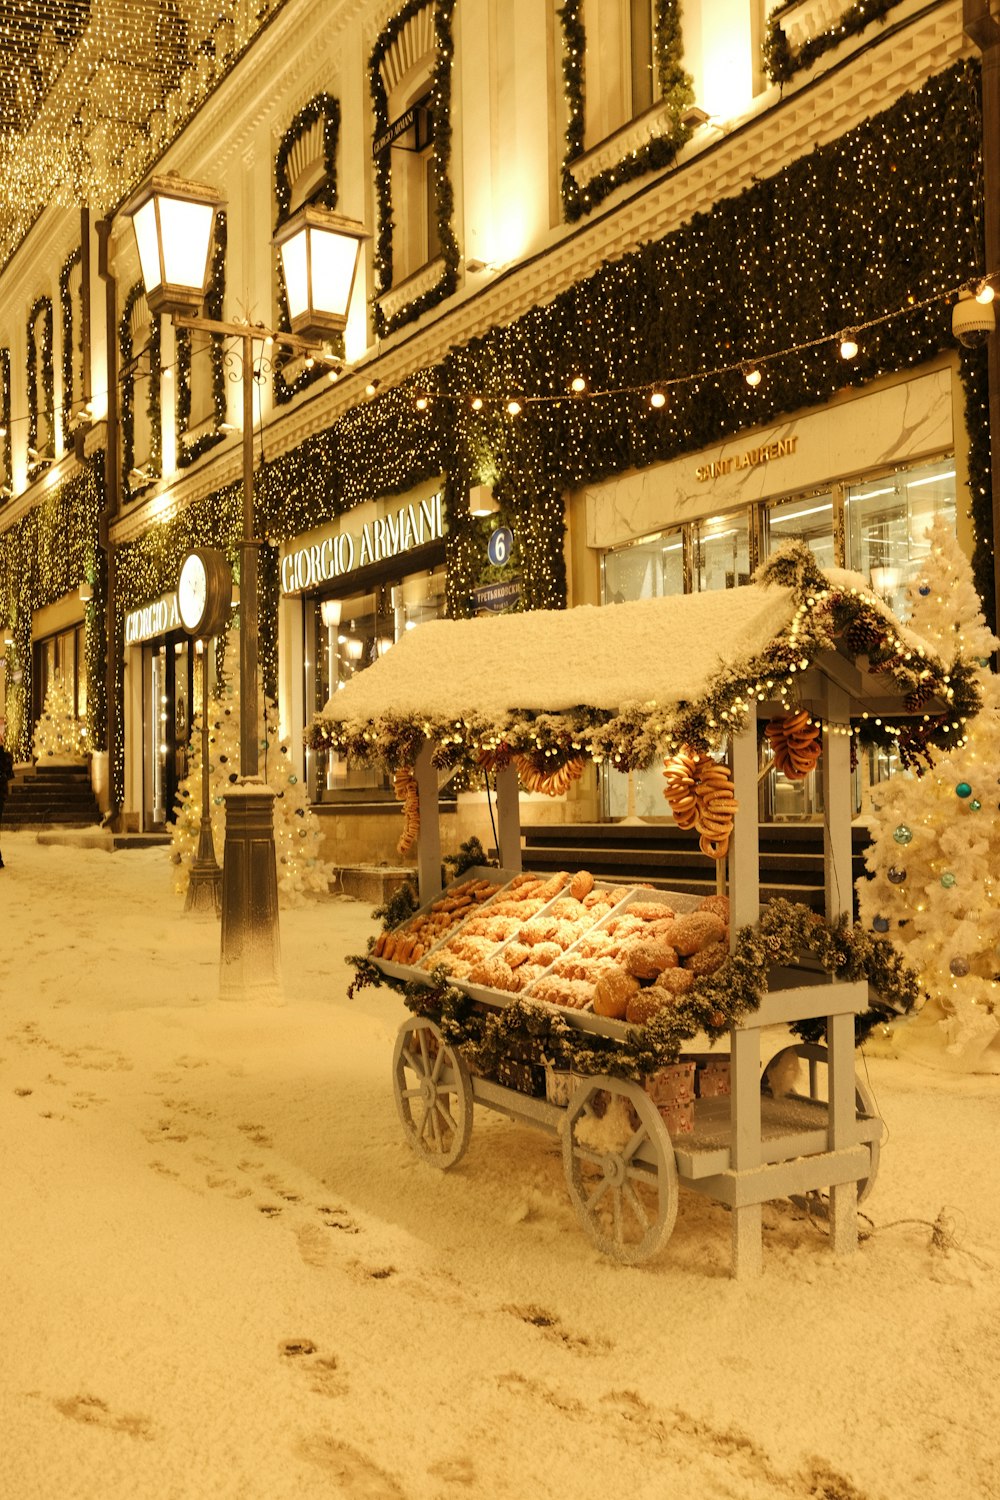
(500,543)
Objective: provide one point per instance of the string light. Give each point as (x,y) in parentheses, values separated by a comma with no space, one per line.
(578,385)
(752,375)
(514,408)
(848,345)
(657,398)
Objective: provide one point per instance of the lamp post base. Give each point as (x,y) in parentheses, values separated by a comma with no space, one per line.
(250,966)
(204,892)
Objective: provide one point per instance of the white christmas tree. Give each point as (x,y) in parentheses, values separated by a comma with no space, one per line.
(935,853)
(59,734)
(297,832)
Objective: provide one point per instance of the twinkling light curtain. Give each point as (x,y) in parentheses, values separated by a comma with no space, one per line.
(91,92)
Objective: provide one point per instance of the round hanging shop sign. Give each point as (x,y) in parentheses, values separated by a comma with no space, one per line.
(499,546)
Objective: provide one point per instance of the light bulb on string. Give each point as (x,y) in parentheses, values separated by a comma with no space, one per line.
(476,403)
(421,403)
(578,385)
(985,293)
(513,407)
(752,375)
(848,344)
(657,398)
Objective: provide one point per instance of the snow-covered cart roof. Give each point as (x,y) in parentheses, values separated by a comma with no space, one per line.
(628,681)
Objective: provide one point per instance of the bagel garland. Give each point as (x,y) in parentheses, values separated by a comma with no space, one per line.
(404,785)
(701,796)
(796,743)
(550,783)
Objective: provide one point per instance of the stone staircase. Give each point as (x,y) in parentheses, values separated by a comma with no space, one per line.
(663,855)
(48,796)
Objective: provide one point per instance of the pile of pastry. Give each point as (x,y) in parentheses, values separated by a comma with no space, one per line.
(408,943)
(561,940)
(532,921)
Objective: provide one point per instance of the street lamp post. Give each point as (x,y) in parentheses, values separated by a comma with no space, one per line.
(320,250)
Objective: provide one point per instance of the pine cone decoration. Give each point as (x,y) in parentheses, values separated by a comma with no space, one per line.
(796,744)
(404,785)
(700,793)
(916,700)
(862,636)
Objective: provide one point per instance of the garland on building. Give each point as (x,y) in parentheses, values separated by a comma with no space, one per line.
(46,554)
(40,308)
(540,1032)
(66,306)
(6,441)
(782,62)
(215,293)
(675,91)
(444,197)
(325,108)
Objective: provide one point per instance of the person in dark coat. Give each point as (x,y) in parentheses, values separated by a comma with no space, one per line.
(6,772)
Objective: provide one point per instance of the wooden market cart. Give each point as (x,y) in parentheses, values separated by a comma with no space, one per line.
(751,1146)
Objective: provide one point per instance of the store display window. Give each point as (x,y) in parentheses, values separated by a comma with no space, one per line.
(343,637)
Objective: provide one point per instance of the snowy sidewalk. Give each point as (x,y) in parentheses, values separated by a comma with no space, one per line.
(223,1275)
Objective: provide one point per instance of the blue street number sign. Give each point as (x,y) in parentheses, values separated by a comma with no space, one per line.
(500,543)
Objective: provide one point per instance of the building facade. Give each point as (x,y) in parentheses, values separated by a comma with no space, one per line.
(652,287)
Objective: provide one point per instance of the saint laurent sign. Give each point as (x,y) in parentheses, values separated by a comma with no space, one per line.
(763,454)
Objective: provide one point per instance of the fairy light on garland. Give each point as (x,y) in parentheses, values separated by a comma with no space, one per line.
(634,737)
(66,306)
(188,453)
(781,62)
(5,418)
(323,109)
(41,310)
(674,93)
(439,165)
(130,381)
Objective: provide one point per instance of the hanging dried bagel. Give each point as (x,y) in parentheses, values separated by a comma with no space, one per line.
(796,743)
(404,785)
(701,796)
(550,783)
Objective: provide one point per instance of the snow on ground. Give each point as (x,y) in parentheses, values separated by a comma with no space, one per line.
(224,1276)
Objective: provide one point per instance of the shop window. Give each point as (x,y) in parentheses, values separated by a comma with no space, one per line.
(646,569)
(807,519)
(722,552)
(887,524)
(62,655)
(41,388)
(343,638)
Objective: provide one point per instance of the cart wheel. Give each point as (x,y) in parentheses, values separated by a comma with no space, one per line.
(620,1169)
(815,1054)
(433,1093)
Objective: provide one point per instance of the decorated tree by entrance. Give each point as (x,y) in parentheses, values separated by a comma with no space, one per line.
(297,833)
(59,734)
(935,854)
